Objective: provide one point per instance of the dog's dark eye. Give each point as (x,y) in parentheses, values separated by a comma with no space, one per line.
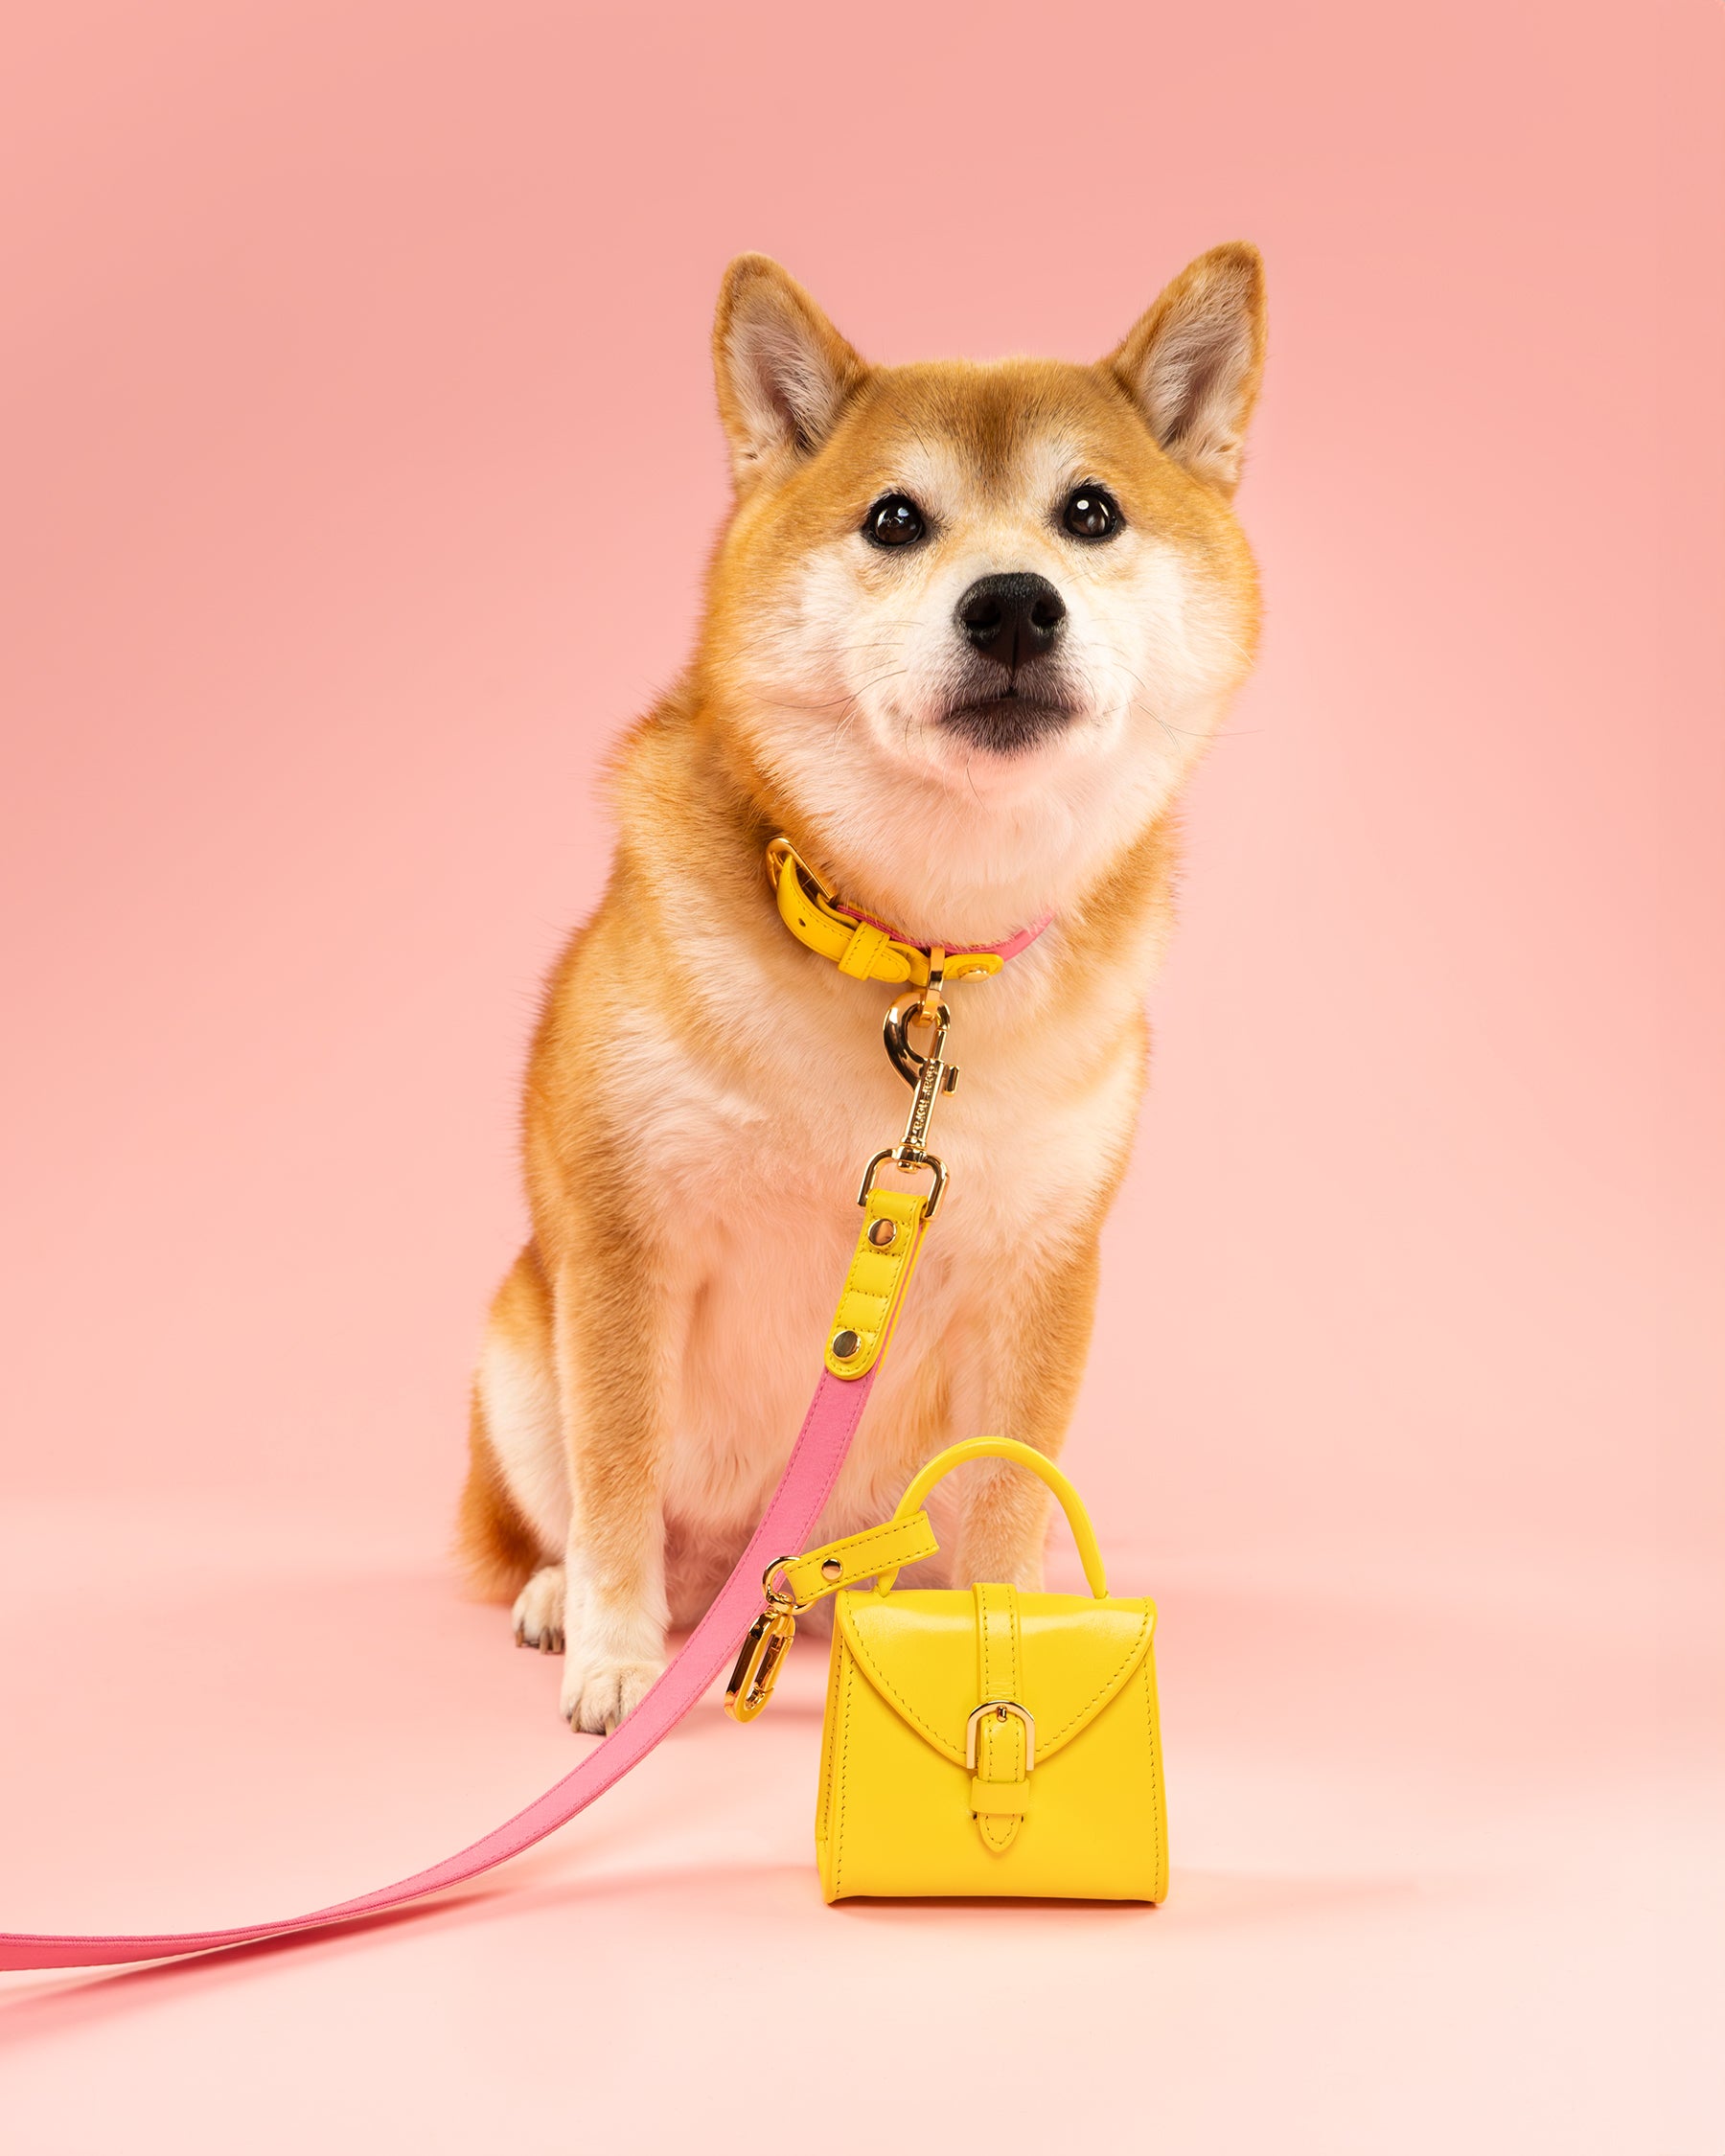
(1091,512)
(894,520)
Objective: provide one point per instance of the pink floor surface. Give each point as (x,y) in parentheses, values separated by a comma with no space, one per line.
(1446,1877)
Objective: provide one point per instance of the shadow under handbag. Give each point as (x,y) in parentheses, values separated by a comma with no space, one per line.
(982,1740)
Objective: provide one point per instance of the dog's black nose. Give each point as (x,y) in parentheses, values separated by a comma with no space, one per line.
(1011,618)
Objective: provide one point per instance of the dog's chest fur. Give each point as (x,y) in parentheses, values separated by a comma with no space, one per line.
(758,1172)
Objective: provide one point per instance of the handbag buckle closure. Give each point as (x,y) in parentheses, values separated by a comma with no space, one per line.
(1000,1709)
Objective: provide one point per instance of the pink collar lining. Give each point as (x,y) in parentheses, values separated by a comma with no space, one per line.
(1010,949)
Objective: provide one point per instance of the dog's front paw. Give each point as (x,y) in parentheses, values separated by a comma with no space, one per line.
(597,1697)
(539,1611)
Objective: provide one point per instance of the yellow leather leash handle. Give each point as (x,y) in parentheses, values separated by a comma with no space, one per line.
(1025,1456)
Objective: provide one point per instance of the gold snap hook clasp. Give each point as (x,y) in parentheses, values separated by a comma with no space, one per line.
(928,1075)
(913,1009)
(763,1652)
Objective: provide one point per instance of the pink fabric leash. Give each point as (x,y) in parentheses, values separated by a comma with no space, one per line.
(812,1468)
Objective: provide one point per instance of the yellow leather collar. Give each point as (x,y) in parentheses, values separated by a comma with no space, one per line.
(866,948)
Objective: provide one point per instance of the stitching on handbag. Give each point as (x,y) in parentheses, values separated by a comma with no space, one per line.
(838,1822)
(1020,1741)
(1004,1824)
(999,1830)
(989,1689)
(861,1543)
(1156,1855)
(879,1678)
(1113,1677)
(1020,1738)
(829,1744)
(855,1545)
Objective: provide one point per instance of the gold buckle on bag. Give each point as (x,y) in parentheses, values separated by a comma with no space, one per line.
(1000,1709)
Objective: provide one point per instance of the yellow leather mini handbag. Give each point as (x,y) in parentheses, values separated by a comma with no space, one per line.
(986,1740)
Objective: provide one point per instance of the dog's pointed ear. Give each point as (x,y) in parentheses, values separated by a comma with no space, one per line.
(1192,364)
(784,372)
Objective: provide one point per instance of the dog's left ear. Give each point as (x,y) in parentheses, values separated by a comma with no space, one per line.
(784,372)
(1192,364)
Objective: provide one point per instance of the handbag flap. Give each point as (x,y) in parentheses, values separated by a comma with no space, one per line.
(918,1649)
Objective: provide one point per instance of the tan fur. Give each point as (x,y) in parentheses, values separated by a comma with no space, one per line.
(702,1090)
(497,1547)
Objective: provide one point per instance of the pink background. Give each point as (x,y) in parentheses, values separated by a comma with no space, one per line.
(360,461)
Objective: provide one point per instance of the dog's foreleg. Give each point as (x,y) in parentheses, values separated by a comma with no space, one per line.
(616,1325)
(1023,1362)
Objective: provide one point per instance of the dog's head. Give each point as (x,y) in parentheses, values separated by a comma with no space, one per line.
(975,622)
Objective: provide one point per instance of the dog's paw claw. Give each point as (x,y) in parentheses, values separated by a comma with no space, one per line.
(539,1611)
(597,1699)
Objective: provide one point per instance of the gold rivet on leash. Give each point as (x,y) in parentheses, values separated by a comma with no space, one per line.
(883,1234)
(830,1568)
(846,1344)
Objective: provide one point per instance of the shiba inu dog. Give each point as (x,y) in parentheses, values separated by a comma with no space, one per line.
(968,629)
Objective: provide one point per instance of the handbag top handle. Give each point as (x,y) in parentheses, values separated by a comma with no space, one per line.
(1025,1456)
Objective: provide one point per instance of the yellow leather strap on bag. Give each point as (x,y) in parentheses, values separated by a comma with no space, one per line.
(860,1556)
(1000,1787)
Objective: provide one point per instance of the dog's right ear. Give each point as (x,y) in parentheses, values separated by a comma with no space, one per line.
(784,372)
(1192,364)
